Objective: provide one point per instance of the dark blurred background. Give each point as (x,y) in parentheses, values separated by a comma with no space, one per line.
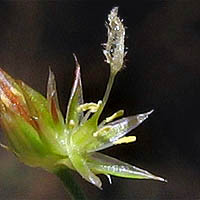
(163,72)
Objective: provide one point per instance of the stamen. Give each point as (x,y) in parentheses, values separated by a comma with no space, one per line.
(102,131)
(92,107)
(114,116)
(125,140)
(111,118)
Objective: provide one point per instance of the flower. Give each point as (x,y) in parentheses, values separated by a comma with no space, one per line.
(39,136)
(115,48)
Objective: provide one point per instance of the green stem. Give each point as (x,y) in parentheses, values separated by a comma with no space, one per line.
(71,186)
(108,90)
(106,95)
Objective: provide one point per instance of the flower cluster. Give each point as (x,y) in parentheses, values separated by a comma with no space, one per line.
(39,135)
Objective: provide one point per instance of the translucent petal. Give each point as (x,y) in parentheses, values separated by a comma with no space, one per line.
(74,116)
(52,99)
(123,126)
(102,164)
(110,133)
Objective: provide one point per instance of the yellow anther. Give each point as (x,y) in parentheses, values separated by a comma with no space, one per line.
(102,131)
(114,116)
(125,140)
(92,107)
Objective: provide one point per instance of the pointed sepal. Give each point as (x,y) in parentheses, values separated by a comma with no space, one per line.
(108,135)
(74,115)
(52,99)
(102,164)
